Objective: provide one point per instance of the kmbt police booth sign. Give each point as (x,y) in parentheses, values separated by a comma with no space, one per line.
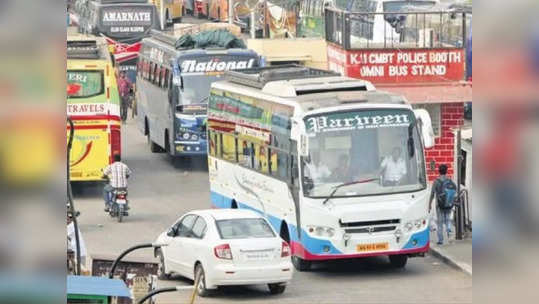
(391,65)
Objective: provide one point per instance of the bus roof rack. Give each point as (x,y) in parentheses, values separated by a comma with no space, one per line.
(259,77)
(83,49)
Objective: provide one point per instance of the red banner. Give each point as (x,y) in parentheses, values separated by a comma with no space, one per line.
(397,66)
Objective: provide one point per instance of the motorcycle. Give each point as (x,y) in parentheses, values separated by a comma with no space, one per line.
(119,204)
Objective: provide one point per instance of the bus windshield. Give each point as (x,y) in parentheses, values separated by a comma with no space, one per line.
(376,151)
(196,89)
(84,84)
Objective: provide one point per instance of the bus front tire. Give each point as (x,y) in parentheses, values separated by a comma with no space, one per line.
(398,261)
(301,264)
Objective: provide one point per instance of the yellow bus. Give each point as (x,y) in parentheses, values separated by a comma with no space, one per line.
(170,11)
(93,103)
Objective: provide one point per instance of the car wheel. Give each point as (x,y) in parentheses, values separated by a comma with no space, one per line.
(398,261)
(301,264)
(161,271)
(276,288)
(201,288)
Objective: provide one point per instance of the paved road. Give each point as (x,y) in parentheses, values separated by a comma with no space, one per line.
(160,193)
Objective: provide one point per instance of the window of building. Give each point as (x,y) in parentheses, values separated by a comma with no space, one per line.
(435,116)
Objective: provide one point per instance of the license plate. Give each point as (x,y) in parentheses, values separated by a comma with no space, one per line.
(372,247)
(257,256)
(120,201)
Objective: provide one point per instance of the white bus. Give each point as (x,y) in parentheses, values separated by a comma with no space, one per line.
(305,147)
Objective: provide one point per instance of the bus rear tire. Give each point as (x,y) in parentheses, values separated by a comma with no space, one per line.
(301,264)
(398,261)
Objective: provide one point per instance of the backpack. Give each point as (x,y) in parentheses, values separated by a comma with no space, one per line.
(447,194)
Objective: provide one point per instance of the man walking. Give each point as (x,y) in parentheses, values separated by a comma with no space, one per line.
(124,88)
(445,191)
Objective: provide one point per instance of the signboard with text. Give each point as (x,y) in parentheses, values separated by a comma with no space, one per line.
(399,66)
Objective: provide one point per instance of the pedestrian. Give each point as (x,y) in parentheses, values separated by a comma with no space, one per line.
(444,189)
(72,243)
(124,88)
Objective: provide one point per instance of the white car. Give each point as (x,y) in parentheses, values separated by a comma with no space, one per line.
(225,247)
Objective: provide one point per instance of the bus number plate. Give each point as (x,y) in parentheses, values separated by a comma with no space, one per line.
(372,247)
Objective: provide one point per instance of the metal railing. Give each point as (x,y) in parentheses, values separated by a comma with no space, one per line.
(396,30)
(463,220)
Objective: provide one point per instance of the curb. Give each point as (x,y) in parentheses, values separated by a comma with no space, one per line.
(449,260)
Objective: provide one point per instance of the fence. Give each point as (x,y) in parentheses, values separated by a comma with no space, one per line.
(397,30)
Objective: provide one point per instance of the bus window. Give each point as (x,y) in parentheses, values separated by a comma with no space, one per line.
(150,72)
(85,83)
(156,73)
(229,148)
(212,143)
(261,158)
(165,78)
(219,145)
(244,153)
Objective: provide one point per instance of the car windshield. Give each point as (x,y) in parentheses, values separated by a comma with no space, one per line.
(244,229)
(377,151)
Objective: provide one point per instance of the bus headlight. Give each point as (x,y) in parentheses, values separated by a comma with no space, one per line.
(408,226)
(330,232)
(321,231)
(185,135)
(194,137)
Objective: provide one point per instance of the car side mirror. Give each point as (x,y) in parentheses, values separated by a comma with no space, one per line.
(171,232)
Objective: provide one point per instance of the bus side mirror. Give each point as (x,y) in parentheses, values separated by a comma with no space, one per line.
(425,127)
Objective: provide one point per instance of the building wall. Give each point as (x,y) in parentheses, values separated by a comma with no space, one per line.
(443,151)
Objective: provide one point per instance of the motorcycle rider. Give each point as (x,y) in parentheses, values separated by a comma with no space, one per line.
(117,173)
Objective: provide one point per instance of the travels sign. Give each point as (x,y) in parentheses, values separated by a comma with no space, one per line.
(398,66)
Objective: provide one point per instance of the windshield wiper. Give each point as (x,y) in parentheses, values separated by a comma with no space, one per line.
(347,184)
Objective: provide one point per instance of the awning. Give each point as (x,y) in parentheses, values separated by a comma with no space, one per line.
(99,286)
(439,92)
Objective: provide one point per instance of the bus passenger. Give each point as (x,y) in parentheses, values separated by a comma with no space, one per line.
(317,170)
(342,172)
(393,168)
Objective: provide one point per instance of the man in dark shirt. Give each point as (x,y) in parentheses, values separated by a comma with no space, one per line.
(443,216)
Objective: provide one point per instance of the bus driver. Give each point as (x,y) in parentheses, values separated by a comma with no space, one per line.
(393,168)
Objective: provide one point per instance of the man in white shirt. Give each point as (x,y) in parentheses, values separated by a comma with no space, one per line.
(316,170)
(393,168)
(117,172)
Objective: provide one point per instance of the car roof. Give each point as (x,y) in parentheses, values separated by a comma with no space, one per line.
(226,214)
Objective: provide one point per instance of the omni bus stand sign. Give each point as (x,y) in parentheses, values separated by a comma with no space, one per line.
(398,65)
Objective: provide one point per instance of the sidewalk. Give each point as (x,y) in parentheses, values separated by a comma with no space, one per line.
(456,253)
